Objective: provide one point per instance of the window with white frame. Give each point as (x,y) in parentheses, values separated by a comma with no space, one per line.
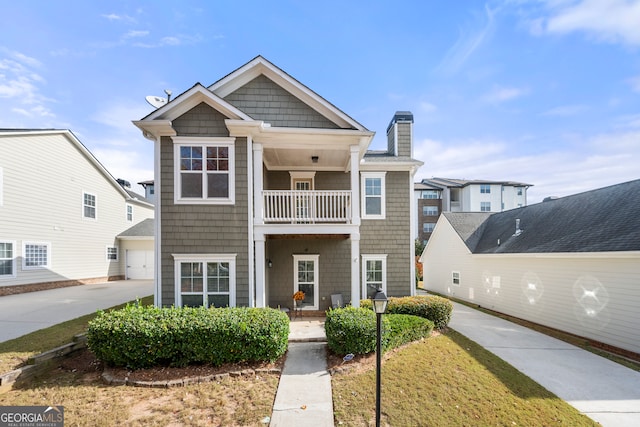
(485,188)
(7,259)
(519,191)
(205,280)
(129,213)
(112,253)
(430,194)
(36,255)
(428,227)
(373,195)
(204,170)
(455,278)
(374,274)
(430,210)
(89,205)
(485,206)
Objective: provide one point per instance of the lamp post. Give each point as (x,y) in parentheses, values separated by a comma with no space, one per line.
(379,306)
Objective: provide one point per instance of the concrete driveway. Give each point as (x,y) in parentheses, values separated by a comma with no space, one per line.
(24,313)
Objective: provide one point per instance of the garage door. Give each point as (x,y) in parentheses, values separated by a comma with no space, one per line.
(139,264)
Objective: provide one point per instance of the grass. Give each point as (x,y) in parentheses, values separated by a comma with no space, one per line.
(14,353)
(448,380)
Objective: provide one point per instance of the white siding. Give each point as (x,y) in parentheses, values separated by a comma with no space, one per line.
(593,295)
(45,176)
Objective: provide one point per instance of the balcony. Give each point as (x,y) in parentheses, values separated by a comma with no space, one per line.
(307,207)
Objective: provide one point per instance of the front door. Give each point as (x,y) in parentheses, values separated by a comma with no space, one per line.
(305,279)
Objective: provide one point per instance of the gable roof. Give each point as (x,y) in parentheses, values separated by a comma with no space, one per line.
(602,220)
(128,195)
(459,183)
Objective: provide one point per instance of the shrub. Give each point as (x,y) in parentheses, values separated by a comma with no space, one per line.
(140,337)
(432,307)
(405,328)
(353,330)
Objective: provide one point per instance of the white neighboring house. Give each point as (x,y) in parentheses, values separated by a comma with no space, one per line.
(60,211)
(571,263)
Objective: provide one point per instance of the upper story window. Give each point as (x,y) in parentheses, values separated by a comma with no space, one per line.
(519,191)
(430,210)
(485,188)
(373,195)
(7,259)
(89,207)
(485,206)
(36,255)
(430,194)
(204,170)
(129,213)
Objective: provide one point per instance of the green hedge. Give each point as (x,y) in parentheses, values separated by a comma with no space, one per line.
(432,307)
(353,330)
(139,337)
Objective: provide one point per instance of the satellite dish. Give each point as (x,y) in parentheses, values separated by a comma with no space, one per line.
(156,101)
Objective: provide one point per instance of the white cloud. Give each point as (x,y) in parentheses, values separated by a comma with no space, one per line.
(566,110)
(612,21)
(635,81)
(427,107)
(502,94)
(468,42)
(601,160)
(136,33)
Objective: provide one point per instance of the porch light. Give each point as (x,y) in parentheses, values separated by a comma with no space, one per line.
(269,263)
(314,159)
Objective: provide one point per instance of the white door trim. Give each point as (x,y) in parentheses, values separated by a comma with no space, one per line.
(316,281)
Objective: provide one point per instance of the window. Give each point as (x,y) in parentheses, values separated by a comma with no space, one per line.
(112,253)
(430,210)
(129,213)
(485,188)
(207,280)
(427,227)
(204,170)
(519,191)
(373,195)
(430,194)
(7,259)
(89,205)
(374,274)
(455,278)
(485,206)
(36,255)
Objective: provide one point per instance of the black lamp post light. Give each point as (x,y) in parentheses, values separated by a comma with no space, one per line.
(379,306)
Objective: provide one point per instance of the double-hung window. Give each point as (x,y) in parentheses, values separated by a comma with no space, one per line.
(7,259)
(428,227)
(205,280)
(374,274)
(485,206)
(455,278)
(89,207)
(373,195)
(204,170)
(112,253)
(36,255)
(430,210)
(129,213)
(485,188)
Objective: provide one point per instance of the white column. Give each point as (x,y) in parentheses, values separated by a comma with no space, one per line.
(355,269)
(257,184)
(260,271)
(355,185)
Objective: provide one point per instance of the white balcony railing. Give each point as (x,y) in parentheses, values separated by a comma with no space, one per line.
(307,207)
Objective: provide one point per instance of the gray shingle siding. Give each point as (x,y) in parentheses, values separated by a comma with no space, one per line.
(262,99)
(392,235)
(203,229)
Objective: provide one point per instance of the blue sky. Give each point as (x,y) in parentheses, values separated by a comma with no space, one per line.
(545,92)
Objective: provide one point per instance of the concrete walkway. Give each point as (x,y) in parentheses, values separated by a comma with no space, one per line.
(25,313)
(304,393)
(603,390)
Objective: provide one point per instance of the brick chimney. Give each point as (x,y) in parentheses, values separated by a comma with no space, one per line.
(400,134)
